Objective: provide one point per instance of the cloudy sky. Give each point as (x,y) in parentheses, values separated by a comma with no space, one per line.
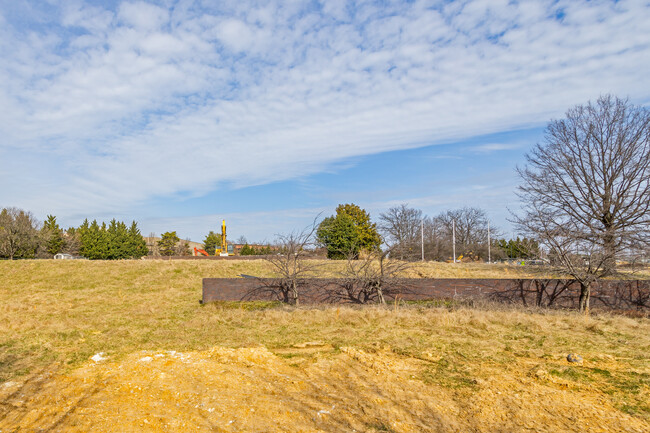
(180,113)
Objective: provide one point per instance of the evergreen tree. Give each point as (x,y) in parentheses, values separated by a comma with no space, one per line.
(519,248)
(247,250)
(369,238)
(82,233)
(340,236)
(83,227)
(167,243)
(211,242)
(103,241)
(348,232)
(52,236)
(93,240)
(137,246)
(114,241)
(117,241)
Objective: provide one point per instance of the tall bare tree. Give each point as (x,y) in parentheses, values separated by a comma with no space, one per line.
(471,231)
(586,188)
(183,247)
(72,241)
(437,244)
(401,227)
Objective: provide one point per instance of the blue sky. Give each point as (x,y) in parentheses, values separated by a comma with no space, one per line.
(266,113)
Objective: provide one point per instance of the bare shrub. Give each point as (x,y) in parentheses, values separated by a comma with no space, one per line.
(371,279)
(291,264)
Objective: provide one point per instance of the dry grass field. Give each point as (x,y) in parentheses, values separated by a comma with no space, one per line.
(171,364)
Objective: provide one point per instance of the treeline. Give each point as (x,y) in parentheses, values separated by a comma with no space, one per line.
(518,248)
(23,237)
(253,250)
(406,233)
(464,230)
(112,241)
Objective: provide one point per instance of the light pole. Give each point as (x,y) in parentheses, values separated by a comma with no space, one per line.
(422,240)
(489,245)
(453,238)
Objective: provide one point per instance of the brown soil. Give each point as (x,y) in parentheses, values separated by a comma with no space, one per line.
(308,387)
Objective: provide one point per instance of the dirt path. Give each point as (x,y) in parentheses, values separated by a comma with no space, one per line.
(306,388)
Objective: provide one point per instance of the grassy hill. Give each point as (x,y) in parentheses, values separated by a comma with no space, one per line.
(235,367)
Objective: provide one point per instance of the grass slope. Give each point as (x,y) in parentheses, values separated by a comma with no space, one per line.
(58,314)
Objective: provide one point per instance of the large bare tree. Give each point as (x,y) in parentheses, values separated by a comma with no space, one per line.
(401,227)
(471,225)
(586,188)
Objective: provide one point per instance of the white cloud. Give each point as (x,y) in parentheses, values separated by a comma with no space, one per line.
(122,111)
(235,35)
(94,19)
(143,15)
(337,9)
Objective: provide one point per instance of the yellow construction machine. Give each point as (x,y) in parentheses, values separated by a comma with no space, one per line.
(225,250)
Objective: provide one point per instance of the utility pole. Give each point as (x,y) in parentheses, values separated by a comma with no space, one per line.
(422,240)
(489,251)
(453,238)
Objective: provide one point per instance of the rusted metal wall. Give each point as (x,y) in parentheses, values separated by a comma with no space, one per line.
(611,294)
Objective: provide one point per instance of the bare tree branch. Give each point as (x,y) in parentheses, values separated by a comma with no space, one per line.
(586,189)
(291,265)
(372,279)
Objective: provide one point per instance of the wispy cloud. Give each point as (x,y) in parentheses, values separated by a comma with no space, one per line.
(493,147)
(102,108)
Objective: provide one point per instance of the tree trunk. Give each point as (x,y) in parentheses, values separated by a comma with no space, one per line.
(609,249)
(380,293)
(540,287)
(585,294)
(294,293)
(522,292)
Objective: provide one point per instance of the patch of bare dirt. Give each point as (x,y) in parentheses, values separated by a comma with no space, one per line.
(255,390)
